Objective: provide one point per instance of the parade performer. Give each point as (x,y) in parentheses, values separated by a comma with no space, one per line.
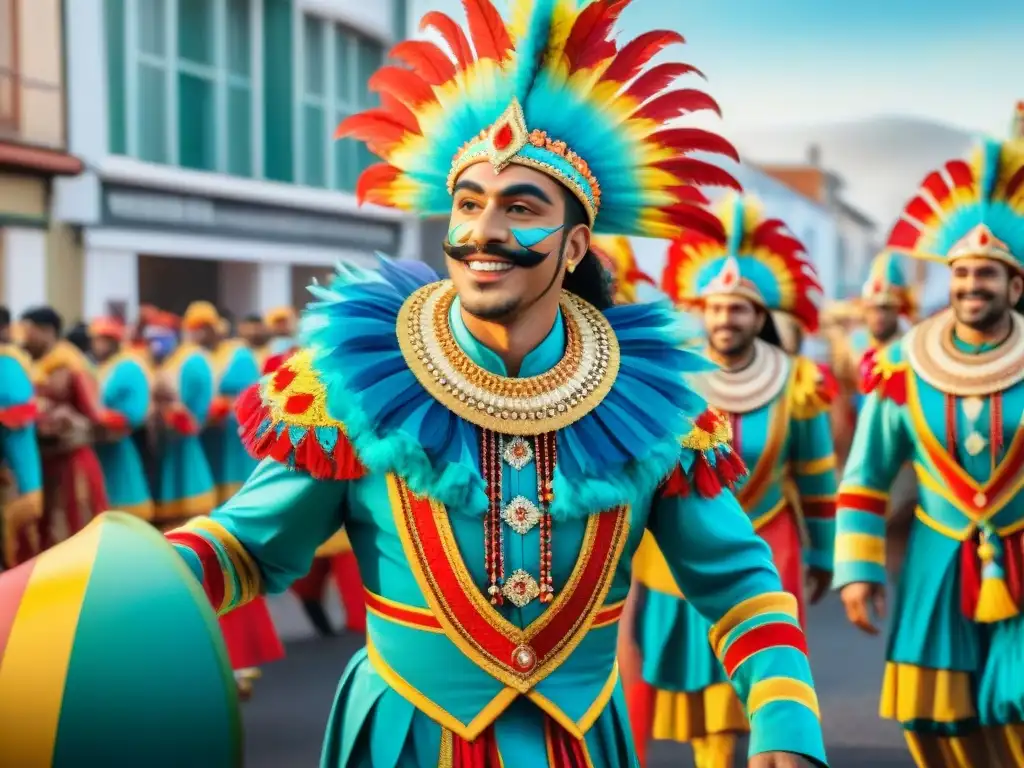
(558,424)
(183,393)
(778,408)
(125,384)
(21,479)
(949,396)
(69,410)
(254,333)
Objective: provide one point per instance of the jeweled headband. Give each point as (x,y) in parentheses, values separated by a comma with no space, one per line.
(551,90)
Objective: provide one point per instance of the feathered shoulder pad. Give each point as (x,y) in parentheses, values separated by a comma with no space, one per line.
(285,418)
(709,463)
(812,389)
(883,370)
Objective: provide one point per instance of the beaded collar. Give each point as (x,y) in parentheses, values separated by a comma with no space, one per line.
(751,388)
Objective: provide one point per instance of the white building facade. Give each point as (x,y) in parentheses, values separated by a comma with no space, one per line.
(206,127)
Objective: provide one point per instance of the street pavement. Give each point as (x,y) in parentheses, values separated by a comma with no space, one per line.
(285,720)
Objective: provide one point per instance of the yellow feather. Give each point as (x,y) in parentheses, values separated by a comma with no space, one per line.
(520,20)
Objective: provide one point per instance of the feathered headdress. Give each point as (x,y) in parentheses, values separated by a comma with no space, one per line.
(111,327)
(886,286)
(971,207)
(550,90)
(760,260)
(616,255)
(200,314)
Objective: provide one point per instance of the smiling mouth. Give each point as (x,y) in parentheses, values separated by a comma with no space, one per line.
(478,265)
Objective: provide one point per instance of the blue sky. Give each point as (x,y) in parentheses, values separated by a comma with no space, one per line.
(793,62)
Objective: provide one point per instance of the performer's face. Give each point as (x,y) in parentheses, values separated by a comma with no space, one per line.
(882,321)
(982,291)
(254,334)
(732,324)
(38,338)
(508,242)
(102,347)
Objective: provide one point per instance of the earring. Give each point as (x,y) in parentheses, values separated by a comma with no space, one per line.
(572,267)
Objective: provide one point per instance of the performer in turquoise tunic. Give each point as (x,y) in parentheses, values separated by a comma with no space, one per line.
(234,370)
(125,383)
(21,482)
(778,409)
(183,394)
(949,396)
(496,447)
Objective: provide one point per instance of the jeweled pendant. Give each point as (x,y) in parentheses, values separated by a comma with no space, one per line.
(518,453)
(520,588)
(975,443)
(521,515)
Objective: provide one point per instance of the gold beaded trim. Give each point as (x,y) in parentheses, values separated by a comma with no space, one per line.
(933,356)
(511,406)
(755,386)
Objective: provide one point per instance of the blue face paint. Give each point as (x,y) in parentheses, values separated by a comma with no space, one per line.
(533,235)
(458,232)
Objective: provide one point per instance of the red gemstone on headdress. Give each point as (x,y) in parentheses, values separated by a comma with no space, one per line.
(727,278)
(503,136)
(983,238)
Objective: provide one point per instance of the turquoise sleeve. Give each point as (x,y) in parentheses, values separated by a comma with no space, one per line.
(196,387)
(15,385)
(881,445)
(129,392)
(813,464)
(241,372)
(280,516)
(20,452)
(725,570)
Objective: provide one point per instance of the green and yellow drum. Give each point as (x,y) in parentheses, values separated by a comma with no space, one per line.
(110,655)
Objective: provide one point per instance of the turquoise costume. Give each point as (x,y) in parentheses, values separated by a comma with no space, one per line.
(779,411)
(235,369)
(21,503)
(184,485)
(958,414)
(125,386)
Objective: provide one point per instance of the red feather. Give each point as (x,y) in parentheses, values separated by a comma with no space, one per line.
(490,37)
(696,218)
(408,87)
(919,210)
(670,105)
(452,34)
(588,41)
(960,173)
(698,172)
(378,129)
(694,140)
(1015,183)
(426,59)
(686,194)
(657,79)
(373,179)
(903,235)
(635,54)
(936,186)
(400,112)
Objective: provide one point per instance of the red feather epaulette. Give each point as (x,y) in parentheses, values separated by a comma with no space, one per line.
(285,418)
(715,464)
(19,416)
(883,377)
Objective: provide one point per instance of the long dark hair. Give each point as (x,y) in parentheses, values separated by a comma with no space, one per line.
(769,332)
(590,280)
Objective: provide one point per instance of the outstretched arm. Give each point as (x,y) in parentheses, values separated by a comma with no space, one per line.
(726,572)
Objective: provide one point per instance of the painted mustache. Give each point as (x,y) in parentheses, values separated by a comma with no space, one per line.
(519,256)
(983,295)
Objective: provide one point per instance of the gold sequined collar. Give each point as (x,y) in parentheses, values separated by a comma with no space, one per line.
(933,355)
(512,406)
(751,388)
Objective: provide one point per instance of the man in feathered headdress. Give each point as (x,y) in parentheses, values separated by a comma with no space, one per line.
(778,407)
(496,443)
(949,397)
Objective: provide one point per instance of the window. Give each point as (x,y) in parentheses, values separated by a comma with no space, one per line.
(8,64)
(188,78)
(337,63)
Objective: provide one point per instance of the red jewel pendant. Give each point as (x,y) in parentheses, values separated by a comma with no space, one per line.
(503,137)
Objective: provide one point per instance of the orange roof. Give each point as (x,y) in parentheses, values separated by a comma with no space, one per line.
(805,180)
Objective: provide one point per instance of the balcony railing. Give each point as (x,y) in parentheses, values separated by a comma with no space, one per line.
(31,109)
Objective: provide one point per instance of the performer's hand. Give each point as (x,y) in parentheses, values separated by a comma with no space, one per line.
(856,599)
(777,760)
(819,580)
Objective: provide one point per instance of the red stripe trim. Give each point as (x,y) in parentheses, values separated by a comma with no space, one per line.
(776,634)
(18,416)
(398,613)
(12,589)
(819,510)
(965,488)
(213,573)
(849,500)
(608,615)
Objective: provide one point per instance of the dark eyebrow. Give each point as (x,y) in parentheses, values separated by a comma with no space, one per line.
(469,186)
(526,190)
